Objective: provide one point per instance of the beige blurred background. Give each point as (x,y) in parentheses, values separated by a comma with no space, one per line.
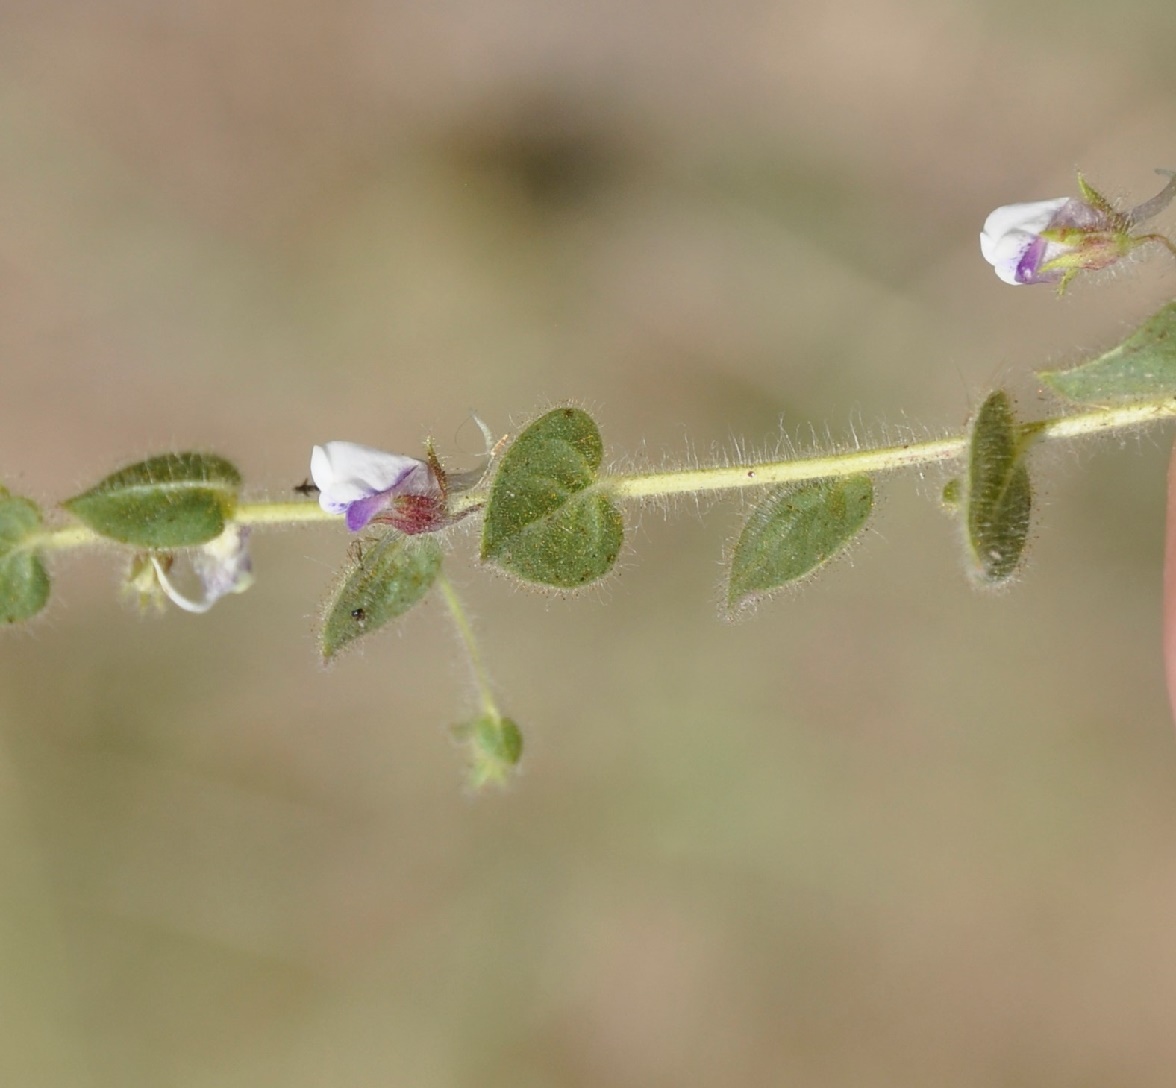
(888,831)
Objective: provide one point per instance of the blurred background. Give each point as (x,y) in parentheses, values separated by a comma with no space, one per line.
(887,831)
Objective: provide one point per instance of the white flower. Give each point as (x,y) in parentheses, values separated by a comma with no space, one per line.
(366,484)
(1011,239)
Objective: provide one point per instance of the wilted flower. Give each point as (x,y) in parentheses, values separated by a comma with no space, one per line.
(367,485)
(222,566)
(1051,241)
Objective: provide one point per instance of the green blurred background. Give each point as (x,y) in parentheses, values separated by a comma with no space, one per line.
(887,832)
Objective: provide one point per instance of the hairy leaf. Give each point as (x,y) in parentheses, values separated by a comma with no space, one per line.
(175,500)
(391,575)
(999,492)
(794,530)
(545,521)
(1142,368)
(24,581)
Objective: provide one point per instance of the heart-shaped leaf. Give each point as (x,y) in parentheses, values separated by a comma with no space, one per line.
(175,500)
(388,578)
(1142,368)
(795,529)
(999,493)
(24,581)
(546,520)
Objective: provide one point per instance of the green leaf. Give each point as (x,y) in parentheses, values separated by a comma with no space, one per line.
(795,529)
(390,576)
(545,522)
(1142,368)
(999,493)
(495,746)
(24,582)
(175,500)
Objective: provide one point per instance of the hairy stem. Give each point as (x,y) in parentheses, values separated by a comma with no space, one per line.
(465,631)
(281,513)
(885,459)
(732,477)
(646,485)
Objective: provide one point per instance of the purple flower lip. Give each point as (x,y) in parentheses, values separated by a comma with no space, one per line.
(1011,239)
(1030,262)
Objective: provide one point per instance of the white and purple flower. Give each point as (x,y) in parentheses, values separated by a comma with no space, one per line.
(1012,240)
(367,485)
(1051,241)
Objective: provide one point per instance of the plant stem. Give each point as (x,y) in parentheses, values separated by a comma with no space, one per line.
(885,459)
(732,477)
(646,485)
(465,631)
(281,513)
(76,535)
